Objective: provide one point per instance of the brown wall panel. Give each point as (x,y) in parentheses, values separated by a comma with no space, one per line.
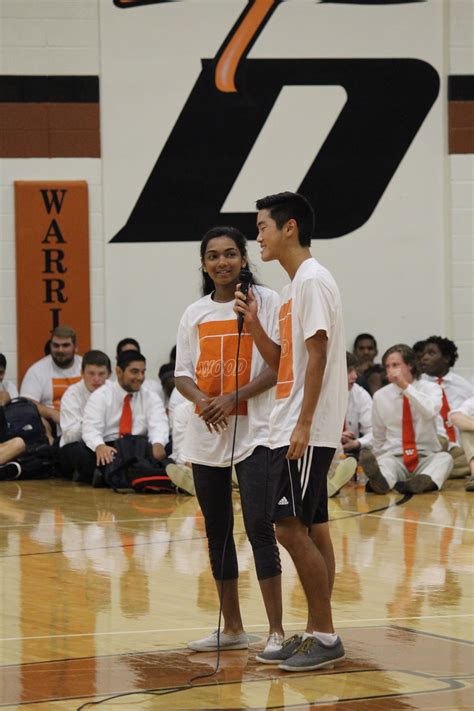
(49,130)
(74,144)
(461,140)
(20,116)
(24,144)
(66,117)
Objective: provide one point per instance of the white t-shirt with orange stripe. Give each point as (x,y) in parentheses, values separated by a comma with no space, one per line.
(46,383)
(206,352)
(310,303)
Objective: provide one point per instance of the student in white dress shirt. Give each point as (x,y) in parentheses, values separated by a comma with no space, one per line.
(76,460)
(405,442)
(463,418)
(357,432)
(104,413)
(8,389)
(47,380)
(131,344)
(439,356)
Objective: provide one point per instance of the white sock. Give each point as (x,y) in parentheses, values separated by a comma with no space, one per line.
(306,635)
(327,638)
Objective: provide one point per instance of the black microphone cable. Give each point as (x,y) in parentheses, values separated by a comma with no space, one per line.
(246,279)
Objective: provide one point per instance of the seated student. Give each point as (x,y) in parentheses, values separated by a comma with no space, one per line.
(405,442)
(357,430)
(371,374)
(131,344)
(46,381)
(76,460)
(125,408)
(439,356)
(358,423)
(10,449)
(179,470)
(166,376)
(7,389)
(418,349)
(463,418)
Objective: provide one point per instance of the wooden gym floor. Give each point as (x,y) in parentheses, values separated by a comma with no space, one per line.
(101,591)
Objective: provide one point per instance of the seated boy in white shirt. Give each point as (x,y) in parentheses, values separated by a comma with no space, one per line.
(357,431)
(438,357)
(405,441)
(125,408)
(77,462)
(47,380)
(463,418)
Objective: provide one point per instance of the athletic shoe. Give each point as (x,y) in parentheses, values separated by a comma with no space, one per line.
(222,640)
(313,654)
(10,471)
(182,477)
(279,654)
(420,483)
(470,483)
(345,470)
(377,481)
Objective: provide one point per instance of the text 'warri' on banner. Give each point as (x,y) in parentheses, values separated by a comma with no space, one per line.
(52,264)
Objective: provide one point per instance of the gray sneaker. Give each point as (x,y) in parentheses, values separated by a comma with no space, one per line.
(313,654)
(221,640)
(286,650)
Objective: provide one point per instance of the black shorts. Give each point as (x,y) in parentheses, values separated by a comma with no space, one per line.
(301,484)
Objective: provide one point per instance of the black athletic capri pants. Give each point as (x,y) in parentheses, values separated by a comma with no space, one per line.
(214,493)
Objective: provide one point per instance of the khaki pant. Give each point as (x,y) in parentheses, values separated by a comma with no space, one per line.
(437,466)
(467,441)
(461,462)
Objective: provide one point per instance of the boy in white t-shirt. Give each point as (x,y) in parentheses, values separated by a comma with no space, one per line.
(307,419)
(47,380)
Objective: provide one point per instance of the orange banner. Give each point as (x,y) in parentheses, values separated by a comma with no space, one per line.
(52,264)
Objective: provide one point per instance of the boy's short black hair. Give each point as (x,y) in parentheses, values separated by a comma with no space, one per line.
(286,206)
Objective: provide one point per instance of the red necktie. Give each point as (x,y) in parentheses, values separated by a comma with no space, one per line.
(410,454)
(125,426)
(444,414)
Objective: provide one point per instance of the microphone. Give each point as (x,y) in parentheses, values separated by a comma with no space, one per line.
(245,279)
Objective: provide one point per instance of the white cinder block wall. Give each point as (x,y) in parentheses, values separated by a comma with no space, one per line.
(461,328)
(51,37)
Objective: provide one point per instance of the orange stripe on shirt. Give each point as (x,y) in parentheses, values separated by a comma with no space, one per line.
(286,377)
(60,385)
(215,369)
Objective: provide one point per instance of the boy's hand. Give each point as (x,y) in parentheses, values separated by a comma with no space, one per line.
(298,441)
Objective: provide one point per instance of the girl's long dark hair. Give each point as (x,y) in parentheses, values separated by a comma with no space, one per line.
(240,242)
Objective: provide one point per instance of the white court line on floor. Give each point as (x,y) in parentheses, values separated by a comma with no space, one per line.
(103,523)
(299,625)
(421,523)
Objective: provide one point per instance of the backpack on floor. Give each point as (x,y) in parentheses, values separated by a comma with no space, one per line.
(23,420)
(150,477)
(134,468)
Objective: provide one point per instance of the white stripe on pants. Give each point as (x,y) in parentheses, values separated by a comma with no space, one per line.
(438,466)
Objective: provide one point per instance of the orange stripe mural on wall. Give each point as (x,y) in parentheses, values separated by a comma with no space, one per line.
(52,264)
